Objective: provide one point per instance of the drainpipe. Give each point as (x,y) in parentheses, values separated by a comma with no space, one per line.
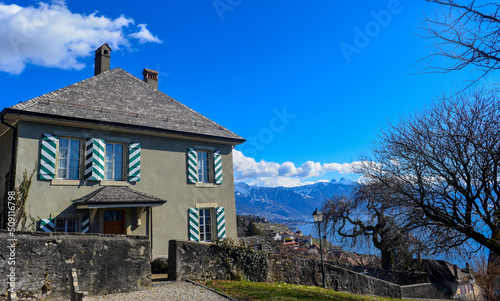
(11,175)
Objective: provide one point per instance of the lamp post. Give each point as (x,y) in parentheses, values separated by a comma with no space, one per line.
(472,281)
(318,217)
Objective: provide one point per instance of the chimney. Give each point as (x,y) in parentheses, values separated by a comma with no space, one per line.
(102,58)
(151,77)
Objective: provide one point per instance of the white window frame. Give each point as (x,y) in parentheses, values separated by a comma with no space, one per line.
(66,220)
(202,224)
(68,159)
(113,162)
(208,166)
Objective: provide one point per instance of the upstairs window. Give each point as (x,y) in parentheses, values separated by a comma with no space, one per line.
(69,159)
(204,166)
(114,162)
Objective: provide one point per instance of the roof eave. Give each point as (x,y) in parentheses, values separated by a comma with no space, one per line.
(97,205)
(233,141)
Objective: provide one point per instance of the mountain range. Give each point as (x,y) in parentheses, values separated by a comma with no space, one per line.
(287,204)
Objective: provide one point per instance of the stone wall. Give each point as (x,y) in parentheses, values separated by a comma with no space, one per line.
(438,291)
(198,261)
(105,263)
(401,278)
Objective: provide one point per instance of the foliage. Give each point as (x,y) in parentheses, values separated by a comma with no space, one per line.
(246,290)
(467,33)
(243,221)
(442,169)
(242,262)
(20,196)
(252,229)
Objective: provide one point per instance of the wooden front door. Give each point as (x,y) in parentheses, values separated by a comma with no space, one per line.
(114,222)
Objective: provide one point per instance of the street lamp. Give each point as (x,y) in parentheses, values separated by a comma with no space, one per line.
(318,217)
(472,281)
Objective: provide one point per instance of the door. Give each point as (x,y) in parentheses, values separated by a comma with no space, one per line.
(114,222)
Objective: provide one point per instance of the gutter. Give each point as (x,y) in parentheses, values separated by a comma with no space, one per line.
(11,175)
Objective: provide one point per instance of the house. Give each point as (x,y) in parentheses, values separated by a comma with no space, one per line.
(305,239)
(113,154)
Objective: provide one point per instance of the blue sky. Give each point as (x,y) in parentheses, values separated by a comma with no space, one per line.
(310,85)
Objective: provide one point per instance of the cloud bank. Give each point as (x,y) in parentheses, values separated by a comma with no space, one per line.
(50,35)
(271,174)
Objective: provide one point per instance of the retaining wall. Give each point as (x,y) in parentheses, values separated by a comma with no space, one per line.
(42,263)
(199,261)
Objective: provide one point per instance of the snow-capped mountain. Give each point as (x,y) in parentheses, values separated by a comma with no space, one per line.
(287,204)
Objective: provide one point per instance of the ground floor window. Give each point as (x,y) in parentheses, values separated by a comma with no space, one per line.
(66,225)
(205,225)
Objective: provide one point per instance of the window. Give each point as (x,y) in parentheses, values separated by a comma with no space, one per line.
(205,225)
(114,162)
(66,225)
(69,159)
(204,166)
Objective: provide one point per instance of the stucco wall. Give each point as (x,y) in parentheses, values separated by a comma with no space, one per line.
(43,261)
(199,261)
(163,174)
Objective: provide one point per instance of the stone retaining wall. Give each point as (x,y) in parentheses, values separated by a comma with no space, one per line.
(105,263)
(199,261)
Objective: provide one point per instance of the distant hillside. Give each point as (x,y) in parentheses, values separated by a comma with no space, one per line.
(287,204)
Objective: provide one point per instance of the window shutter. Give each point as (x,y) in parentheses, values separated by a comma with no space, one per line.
(194,224)
(47,167)
(47,225)
(85,225)
(94,163)
(221,223)
(192,166)
(218,168)
(134,162)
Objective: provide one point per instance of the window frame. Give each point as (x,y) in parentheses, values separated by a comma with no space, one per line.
(209,166)
(202,226)
(66,220)
(68,159)
(123,161)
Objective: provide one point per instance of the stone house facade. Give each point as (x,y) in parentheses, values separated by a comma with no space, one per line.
(113,154)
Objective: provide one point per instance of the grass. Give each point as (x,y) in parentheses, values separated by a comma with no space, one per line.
(247,290)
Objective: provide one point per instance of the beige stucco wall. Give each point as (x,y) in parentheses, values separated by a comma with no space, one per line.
(163,174)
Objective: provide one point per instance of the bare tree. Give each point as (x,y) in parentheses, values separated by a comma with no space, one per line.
(443,167)
(370,214)
(467,34)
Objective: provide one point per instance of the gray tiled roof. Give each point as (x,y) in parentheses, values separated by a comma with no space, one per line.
(116,96)
(117,195)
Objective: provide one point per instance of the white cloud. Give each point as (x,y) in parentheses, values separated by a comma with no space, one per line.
(144,35)
(271,174)
(50,35)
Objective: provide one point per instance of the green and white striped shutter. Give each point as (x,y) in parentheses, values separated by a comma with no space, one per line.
(134,162)
(221,223)
(192,166)
(218,167)
(194,224)
(94,163)
(85,225)
(47,168)
(47,225)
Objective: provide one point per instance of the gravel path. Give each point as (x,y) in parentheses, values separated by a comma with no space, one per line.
(175,291)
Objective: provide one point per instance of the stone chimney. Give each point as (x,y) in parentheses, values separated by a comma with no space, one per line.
(151,77)
(102,59)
